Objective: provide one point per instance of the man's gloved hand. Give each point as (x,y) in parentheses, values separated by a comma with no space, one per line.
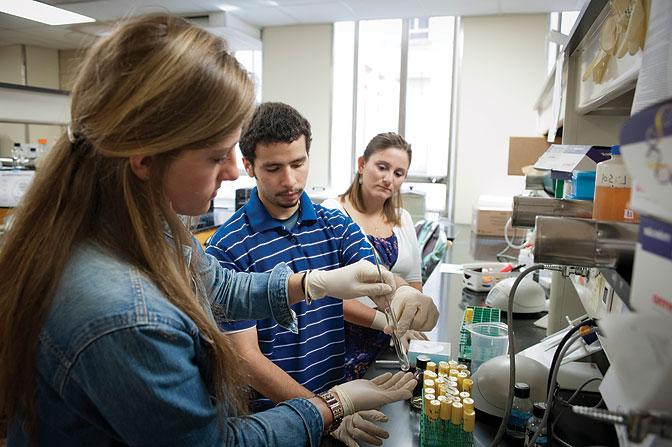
(360,427)
(362,394)
(351,281)
(413,310)
(408,336)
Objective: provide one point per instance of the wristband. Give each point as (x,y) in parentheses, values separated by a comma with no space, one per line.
(336,409)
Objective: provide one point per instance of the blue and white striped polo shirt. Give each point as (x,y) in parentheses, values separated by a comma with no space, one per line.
(252,241)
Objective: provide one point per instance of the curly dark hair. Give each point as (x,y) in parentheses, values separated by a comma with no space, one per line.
(273,122)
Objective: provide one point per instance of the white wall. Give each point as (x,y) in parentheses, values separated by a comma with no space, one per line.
(503,68)
(297,71)
(42,70)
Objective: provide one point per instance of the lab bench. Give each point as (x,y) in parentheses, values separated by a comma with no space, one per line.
(451,300)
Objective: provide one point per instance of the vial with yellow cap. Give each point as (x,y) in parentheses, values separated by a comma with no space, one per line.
(428,383)
(427,399)
(464,395)
(467,384)
(428,374)
(453,373)
(431,366)
(468,404)
(468,425)
(444,367)
(469,315)
(446,405)
(456,413)
(434,409)
(460,377)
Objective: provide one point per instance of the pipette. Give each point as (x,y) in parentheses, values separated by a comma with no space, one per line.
(392,322)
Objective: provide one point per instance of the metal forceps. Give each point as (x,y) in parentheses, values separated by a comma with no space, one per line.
(404,365)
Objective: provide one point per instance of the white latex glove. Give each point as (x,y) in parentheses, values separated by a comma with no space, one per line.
(351,281)
(414,310)
(362,394)
(360,427)
(408,336)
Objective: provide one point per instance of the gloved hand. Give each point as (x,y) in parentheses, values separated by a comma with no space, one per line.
(360,427)
(351,281)
(413,310)
(362,394)
(408,336)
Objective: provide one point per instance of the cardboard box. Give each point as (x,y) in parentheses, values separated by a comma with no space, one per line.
(525,151)
(650,291)
(489,221)
(490,215)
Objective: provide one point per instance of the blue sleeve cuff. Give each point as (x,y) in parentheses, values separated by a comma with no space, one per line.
(311,417)
(279,298)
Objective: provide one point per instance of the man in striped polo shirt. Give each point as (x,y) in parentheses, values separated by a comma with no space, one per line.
(281,224)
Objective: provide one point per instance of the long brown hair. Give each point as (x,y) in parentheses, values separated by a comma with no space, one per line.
(156,86)
(392,205)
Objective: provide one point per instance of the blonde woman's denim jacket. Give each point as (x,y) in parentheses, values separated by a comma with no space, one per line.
(118,364)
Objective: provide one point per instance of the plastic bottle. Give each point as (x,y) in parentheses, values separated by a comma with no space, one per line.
(521,411)
(533,423)
(41,147)
(613,186)
(420,366)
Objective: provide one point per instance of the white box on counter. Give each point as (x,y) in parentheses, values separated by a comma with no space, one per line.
(650,290)
(13,185)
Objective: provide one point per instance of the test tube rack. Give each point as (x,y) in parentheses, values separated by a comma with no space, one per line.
(441,433)
(480,315)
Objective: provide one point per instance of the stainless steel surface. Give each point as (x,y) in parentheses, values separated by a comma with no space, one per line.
(526,209)
(584,242)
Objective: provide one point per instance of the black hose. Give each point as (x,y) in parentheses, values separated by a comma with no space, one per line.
(550,387)
(512,351)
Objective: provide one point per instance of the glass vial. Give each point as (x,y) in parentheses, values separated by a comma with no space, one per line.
(533,424)
(420,366)
(520,412)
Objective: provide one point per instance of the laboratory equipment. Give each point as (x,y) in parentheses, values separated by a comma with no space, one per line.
(482,276)
(392,322)
(488,340)
(533,424)
(476,314)
(526,209)
(584,242)
(613,188)
(530,296)
(638,424)
(521,411)
(490,383)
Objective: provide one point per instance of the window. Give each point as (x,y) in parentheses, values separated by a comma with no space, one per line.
(377,79)
(561,22)
(251,60)
(391,75)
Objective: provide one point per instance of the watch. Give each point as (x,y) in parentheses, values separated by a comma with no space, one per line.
(336,409)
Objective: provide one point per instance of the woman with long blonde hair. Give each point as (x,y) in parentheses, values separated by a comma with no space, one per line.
(108,305)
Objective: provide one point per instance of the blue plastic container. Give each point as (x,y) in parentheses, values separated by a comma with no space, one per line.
(583,185)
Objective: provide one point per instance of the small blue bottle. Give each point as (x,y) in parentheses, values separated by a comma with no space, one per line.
(521,411)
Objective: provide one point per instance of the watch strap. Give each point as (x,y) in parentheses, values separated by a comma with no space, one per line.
(336,409)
